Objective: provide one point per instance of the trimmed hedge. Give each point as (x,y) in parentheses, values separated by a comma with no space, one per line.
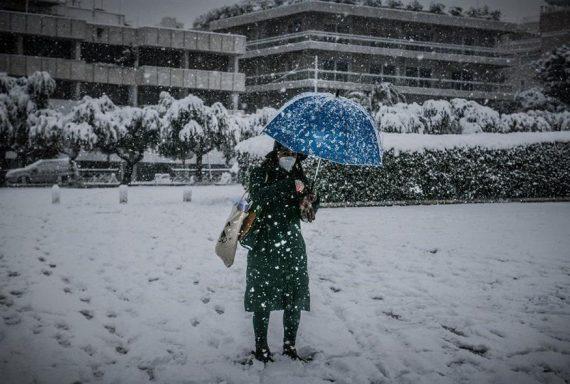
(468,173)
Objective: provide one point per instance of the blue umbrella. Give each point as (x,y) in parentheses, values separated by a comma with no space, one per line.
(328,127)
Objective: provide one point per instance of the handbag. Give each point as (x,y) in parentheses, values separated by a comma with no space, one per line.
(227,242)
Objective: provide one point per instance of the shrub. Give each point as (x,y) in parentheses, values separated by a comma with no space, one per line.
(535,170)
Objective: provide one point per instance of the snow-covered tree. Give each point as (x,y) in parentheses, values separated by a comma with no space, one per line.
(523,122)
(21,101)
(373,3)
(554,72)
(40,87)
(394,4)
(228,131)
(474,117)
(98,114)
(456,11)
(77,136)
(190,127)
(437,8)
(439,117)
(415,5)
(385,94)
(45,133)
(535,99)
(400,118)
(558,121)
(6,129)
(132,131)
(360,97)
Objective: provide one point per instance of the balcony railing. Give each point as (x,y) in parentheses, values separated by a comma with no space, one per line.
(376,42)
(366,78)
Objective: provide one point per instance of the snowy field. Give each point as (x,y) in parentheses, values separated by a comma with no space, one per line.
(96,292)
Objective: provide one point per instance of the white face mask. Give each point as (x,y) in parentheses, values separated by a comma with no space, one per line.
(287,162)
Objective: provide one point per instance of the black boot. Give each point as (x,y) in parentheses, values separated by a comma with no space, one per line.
(290,351)
(263,354)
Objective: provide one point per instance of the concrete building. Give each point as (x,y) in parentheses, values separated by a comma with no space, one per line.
(554,27)
(293,48)
(130,65)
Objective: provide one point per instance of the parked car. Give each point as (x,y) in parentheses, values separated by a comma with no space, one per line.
(46,171)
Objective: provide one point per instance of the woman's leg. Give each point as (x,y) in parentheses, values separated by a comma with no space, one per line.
(260,326)
(291,319)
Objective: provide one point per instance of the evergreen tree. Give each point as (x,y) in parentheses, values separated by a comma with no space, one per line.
(554,73)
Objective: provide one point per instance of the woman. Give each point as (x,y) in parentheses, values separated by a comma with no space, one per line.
(277,277)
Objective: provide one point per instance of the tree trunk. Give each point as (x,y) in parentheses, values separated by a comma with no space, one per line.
(3,162)
(128,173)
(198,166)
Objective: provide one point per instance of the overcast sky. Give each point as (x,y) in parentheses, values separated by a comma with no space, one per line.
(149,12)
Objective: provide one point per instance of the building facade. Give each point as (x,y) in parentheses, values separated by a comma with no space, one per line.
(330,46)
(131,65)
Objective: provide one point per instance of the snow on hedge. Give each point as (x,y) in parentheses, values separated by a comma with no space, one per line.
(260,145)
(464,116)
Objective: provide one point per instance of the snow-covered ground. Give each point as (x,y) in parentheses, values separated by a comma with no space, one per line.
(97,292)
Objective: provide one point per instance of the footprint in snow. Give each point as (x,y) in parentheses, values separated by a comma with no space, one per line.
(63,339)
(393,315)
(12,319)
(13,274)
(219,309)
(42,259)
(17,293)
(6,301)
(205,300)
(62,325)
(194,322)
(88,314)
(110,328)
(46,272)
(121,350)
(335,289)
(151,279)
(89,349)
(85,299)
(111,314)
(52,265)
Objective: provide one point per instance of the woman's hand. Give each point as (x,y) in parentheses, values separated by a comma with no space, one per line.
(299,186)
(306,206)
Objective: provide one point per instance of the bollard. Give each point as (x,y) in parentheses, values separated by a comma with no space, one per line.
(55,195)
(123,194)
(187,195)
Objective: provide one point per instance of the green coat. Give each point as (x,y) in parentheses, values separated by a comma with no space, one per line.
(276,276)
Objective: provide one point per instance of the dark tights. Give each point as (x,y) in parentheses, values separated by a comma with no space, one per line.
(291,319)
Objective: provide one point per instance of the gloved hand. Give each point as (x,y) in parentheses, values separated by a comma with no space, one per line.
(306,206)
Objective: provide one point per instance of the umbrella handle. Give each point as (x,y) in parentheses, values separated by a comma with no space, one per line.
(316,173)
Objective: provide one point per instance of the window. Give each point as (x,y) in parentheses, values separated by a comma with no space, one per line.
(341,66)
(460,78)
(389,70)
(425,73)
(376,69)
(411,74)
(294,26)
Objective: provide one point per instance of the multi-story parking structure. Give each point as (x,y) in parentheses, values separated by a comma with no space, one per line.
(130,65)
(331,46)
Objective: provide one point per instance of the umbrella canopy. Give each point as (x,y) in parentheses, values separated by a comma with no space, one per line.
(328,127)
